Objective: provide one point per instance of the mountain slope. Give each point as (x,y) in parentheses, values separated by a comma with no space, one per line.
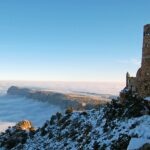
(112,126)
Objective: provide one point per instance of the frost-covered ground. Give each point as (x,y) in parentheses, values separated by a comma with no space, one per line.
(95,134)
(113,126)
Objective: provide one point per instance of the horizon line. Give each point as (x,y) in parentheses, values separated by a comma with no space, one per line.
(77,81)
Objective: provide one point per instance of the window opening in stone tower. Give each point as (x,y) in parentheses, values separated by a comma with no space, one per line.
(146,88)
(148,33)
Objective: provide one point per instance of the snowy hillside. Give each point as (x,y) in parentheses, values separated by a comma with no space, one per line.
(113,126)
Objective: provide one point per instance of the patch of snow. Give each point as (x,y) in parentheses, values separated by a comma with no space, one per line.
(97,133)
(147,98)
(137,143)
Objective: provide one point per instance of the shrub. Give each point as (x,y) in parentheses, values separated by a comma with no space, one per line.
(69,110)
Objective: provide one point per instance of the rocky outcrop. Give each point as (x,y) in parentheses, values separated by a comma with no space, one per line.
(25,125)
(13,90)
(145,147)
(17,135)
(111,127)
(78,102)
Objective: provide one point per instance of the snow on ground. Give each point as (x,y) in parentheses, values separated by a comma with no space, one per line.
(141,130)
(137,143)
(112,126)
(147,99)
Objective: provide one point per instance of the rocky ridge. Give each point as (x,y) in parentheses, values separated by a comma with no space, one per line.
(113,126)
(78,102)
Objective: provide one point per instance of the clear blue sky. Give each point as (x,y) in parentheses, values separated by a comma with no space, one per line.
(71,40)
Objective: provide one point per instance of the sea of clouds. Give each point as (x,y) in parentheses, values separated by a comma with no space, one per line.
(14,109)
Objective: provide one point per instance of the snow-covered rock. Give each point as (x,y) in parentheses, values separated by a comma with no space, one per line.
(137,143)
(111,127)
(147,99)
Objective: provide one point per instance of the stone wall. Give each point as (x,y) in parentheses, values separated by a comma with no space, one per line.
(141,83)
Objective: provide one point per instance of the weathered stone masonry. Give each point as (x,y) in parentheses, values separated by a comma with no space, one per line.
(140,85)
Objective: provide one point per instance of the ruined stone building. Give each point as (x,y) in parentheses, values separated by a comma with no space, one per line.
(140,85)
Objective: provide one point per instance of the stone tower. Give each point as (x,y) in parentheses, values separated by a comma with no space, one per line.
(143,74)
(146,52)
(140,85)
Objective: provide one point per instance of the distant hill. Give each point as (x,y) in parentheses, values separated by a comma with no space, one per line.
(76,101)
